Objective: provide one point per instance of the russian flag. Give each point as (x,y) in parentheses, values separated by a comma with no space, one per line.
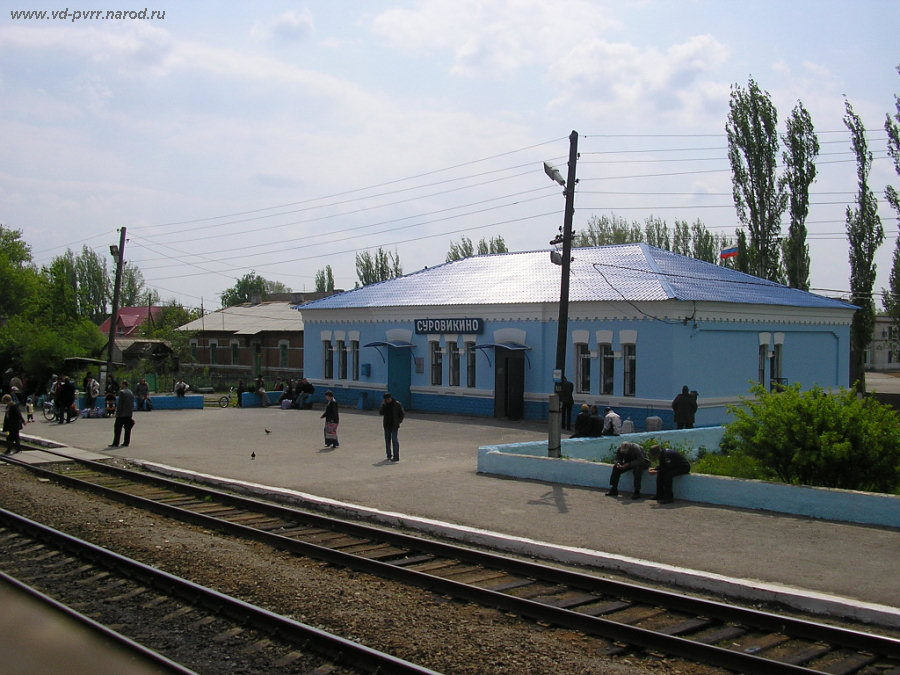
(729,252)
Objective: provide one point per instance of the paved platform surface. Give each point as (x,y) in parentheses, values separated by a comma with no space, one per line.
(819,563)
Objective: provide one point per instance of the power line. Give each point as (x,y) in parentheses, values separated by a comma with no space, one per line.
(362,189)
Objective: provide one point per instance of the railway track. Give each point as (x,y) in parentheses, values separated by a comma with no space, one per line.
(179,626)
(633,616)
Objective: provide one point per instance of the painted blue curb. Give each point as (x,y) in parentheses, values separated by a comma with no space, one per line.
(530,461)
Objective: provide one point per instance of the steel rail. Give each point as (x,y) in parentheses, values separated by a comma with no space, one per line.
(142,651)
(796,628)
(340,649)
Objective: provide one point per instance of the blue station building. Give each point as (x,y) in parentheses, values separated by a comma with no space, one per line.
(478,336)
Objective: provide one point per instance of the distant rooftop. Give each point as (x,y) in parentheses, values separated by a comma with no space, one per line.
(634,272)
(250,318)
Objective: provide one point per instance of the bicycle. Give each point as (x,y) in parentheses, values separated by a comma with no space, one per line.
(225,401)
(50,411)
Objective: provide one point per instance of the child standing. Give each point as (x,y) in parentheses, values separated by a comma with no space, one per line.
(12,424)
(29,409)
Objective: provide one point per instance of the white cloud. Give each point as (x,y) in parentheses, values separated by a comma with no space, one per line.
(290,26)
(486,38)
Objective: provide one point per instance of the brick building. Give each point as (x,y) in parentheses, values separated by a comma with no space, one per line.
(261,338)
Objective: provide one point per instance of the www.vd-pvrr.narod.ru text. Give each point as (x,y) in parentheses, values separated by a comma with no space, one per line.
(85,14)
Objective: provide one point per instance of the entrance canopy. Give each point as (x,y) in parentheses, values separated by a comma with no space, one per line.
(511,346)
(395,345)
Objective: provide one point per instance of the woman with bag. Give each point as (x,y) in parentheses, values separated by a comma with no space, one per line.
(331,420)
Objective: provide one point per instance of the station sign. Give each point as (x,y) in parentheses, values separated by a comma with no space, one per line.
(458,326)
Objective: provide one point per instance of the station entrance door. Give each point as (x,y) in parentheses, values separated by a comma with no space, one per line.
(509,383)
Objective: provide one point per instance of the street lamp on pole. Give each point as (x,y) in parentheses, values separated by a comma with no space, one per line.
(555,419)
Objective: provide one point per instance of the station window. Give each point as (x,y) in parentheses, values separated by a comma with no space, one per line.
(607,368)
(342,359)
(213,352)
(775,378)
(470,365)
(354,358)
(282,354)
(453,354)
(763,356)
(437,364)
(327,360)
(630,369)
(582,368)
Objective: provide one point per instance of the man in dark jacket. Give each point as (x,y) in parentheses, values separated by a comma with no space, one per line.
(584,425)
(392,416)
(332,417)
(629,457)
(124,415)
(671,463)
(65,399)
(685,407)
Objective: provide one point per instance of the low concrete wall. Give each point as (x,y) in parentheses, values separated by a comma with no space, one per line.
(172,402)
(160,402)
(530,461)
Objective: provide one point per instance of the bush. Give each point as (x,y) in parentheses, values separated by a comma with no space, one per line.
(818,438)
(735,465)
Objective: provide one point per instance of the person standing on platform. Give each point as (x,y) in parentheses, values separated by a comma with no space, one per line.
(260,388)
(392,415)
(671,463)
(12,425)
(124,416)
(331,420)
(65,400)
(685,407)
(566,400)
(629,457)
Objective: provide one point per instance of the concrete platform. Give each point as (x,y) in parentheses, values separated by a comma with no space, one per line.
(831,568)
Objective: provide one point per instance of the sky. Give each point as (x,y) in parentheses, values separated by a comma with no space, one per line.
(280,137)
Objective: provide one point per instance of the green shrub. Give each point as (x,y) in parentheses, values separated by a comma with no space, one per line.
(736,465)
(818,438)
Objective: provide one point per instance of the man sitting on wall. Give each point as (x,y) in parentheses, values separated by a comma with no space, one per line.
(629,457)
(671,463)
(304,392)
(612,423)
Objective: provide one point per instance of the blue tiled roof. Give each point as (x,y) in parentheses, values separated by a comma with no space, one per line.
(635,272)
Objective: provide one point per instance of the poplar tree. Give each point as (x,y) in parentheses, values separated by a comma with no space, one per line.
(379,267)
(801,150)
(758,196)
(325,280)
(891,295)
(865,233)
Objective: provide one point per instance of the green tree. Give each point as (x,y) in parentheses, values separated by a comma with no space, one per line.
(681,239)
(18,277)
(656,233)
(865,234)
(836,440)
(134,291)
(464,249)
(802,148)
(606,230)
(379,267)
(92,285)
(758,194)
(251,288)
(704,244)
(325,280)
(62,289)
(492,245)
(891,295)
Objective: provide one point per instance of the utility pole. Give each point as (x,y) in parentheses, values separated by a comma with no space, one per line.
(555,419)
(118,252)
